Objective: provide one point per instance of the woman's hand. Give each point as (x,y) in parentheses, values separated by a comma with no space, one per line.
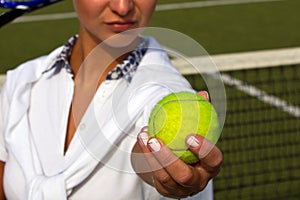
(171,176)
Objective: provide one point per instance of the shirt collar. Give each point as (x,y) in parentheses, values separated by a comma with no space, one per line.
(125,70)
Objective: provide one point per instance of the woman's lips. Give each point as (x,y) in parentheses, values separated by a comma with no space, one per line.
(120,26)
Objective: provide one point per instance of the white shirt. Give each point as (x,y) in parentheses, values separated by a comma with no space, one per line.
(34,113)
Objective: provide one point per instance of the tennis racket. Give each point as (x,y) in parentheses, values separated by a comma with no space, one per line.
(20,7)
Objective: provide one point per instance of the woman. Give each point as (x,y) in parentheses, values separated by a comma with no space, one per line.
(60,134)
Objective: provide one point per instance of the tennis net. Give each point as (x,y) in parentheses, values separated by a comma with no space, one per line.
(261,136)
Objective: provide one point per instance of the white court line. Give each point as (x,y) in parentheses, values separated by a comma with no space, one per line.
(46,17)
(261,95)
(199,4)
(242,60)
(160,7)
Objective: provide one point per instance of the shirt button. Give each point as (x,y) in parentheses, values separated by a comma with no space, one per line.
(82,126)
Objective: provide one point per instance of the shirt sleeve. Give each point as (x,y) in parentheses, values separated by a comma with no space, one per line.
(157,93)
(3,108)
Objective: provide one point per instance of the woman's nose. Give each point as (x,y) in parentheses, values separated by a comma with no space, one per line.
(122,7)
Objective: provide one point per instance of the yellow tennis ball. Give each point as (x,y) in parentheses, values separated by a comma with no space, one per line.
(180,114)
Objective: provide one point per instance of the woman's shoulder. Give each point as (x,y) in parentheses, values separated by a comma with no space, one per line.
(30,70)
(155,53)
(35,65)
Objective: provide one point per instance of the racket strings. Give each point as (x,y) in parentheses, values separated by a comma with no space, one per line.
(12,4)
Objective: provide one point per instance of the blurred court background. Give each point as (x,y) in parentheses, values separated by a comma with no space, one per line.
(255,45)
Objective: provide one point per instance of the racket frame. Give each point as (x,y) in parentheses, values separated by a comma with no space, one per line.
(20,8)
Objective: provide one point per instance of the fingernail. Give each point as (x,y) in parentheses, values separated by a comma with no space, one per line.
(192,141)
(204,94)
(154,144)
(144,137)
(145,128)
